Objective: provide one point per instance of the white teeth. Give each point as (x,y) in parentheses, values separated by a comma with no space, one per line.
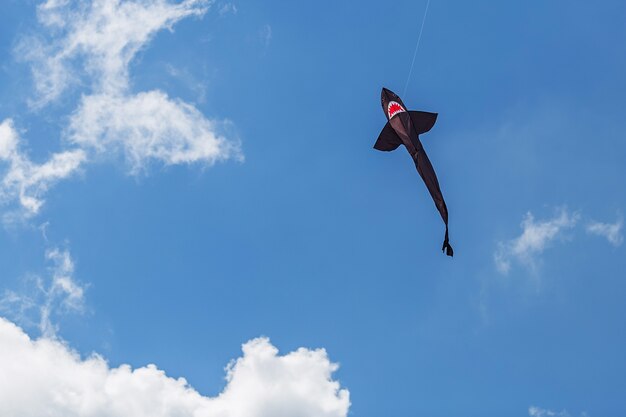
(398,108)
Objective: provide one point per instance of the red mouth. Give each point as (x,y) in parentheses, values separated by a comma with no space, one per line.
(394,108)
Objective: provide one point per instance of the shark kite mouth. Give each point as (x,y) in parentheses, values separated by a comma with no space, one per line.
(394,108)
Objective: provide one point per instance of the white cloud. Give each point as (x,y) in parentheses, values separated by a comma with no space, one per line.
(199,86)
(226,8)
(534,411)
(26,181)
(59,294)
(107,34)
(535,238)
(46,378)
(62,295)
(91,44)
(266,35)
(149,126)
(145,126)
(542,412)
(611,231)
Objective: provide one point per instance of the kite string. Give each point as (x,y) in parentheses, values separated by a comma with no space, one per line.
(417,45)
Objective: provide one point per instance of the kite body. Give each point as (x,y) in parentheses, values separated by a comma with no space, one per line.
(403,128)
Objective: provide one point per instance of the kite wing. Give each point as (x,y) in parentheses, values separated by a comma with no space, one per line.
(388,140)
(422,120)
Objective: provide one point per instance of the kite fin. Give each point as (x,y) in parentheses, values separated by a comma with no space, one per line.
(388,140)
(422,120)
(446,245)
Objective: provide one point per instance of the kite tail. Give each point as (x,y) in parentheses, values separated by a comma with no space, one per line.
(446,245)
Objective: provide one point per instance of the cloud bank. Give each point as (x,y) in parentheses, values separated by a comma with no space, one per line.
(46,378)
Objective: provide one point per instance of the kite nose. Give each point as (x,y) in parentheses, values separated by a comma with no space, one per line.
(388,95)
(385,96)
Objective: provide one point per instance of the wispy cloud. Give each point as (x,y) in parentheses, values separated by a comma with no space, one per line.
(266,35)
(47,298)
(542,412)
(45,377)
(90,44)
(149,127)
(186,77)
(536,237)
(145,126)
(226,8)
(26,182)
(98,38)
(534,411)
(611,231)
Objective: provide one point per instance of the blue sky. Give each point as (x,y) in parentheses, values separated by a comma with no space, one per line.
(291,226)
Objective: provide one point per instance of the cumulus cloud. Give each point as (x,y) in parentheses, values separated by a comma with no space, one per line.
(611,231)
(45,377)
(535,238)
(25,181)
(59,294)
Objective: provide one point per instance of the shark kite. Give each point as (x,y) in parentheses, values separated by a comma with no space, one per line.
(403,128)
